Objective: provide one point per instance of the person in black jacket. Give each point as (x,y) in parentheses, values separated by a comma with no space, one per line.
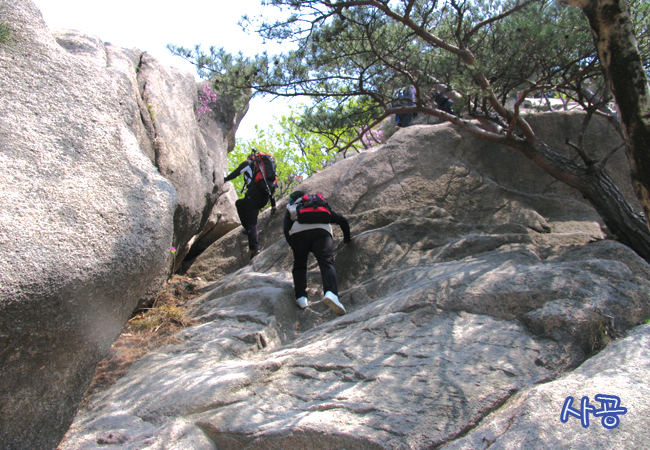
(316,238)
(443,102)
(405,97)
(257,196)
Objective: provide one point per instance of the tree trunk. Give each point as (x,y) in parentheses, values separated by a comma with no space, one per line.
(621,61)
(592,181)
(599,189)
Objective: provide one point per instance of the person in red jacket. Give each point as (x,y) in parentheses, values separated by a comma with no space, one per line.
(316,238)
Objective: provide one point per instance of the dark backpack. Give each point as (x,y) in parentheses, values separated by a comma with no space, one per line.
(264,171)
(443,102)
(314,209)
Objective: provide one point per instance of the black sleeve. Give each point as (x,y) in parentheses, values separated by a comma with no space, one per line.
(286,226)
(235,173)
(343,223)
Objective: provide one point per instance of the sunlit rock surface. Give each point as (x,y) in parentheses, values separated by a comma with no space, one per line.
(104,167)
(475,288)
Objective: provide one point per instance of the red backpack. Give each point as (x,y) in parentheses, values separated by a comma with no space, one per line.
(314,209)
(264,169)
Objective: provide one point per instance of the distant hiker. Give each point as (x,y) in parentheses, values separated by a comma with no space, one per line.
(308,228)
(443,102)
(260,182)
(404,97)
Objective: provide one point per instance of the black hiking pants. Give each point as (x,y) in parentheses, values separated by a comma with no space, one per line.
(248,208)
(320,243)
(404,120)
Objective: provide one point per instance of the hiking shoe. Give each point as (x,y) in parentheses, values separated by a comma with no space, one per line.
(332,300)
(254,253)
(302,302)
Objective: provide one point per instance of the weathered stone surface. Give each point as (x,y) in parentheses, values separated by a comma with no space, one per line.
(471,287)
(222,220)
(218,126)
(476,181)
(194,167)
(85,226)
(458,324)
(87,221)
(189,149)
(532,418)
(434,341)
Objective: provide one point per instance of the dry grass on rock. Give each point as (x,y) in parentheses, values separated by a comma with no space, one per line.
(148,329)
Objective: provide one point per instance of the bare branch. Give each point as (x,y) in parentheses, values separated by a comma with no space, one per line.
(409,7)
(588,161)
(417,29)
(610,154)
(466,125)
(496,18)
(515,118)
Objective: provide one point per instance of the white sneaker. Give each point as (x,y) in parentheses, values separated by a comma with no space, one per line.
(302,302)
(332,300)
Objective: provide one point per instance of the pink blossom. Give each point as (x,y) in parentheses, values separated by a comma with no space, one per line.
(372,137)
(205,98)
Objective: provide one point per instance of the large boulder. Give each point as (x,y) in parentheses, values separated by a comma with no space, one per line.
(533,418)
(476,181)
(441,334)
(103,168)
(218,121)
(186,137)
(189,148)
(472,295)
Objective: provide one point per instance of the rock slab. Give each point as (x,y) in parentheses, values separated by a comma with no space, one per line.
(104,168)
(477,302)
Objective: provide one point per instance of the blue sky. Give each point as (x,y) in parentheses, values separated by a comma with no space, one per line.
(151,25)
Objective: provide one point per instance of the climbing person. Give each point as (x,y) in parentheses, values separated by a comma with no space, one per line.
(442,102)
(308,228)
(260,183)
(404,97)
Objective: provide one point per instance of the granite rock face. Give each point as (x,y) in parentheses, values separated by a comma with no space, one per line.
(476,302)
(532,418)
(474,180)
(103,168)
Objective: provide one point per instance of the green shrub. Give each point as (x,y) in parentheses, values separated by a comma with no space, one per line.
(5,33)
(5,30)
(151,113)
